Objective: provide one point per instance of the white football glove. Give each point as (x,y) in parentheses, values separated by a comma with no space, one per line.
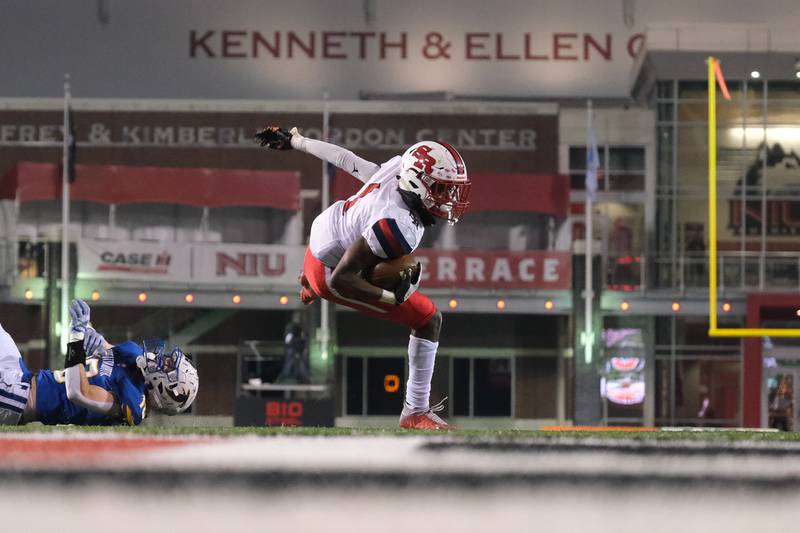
(298,140)
(409,284)
(94,343)
(80,314)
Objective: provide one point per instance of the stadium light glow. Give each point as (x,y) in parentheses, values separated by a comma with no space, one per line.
(28,294)
(236,299)
(549,305)
(142,297)
(189,298)
(676,306)
(755,74)
(283,300)
(501,304)
(95,296)
(453,303)
(755,134)
(797,312)
(624,306)
(726,307)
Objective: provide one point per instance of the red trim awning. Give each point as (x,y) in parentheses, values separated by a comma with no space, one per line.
(116,184)
(496,191)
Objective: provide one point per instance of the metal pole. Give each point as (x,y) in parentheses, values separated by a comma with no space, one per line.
(674,195)
(588,292)
(324,323)
(743,201)
(65,218)
(762,265)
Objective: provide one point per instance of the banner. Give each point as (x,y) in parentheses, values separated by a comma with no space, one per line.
(234,264)
(247,264)
(256,264)
(140,260)
(546,270)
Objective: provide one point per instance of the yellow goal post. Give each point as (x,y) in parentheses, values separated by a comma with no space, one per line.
(713,329)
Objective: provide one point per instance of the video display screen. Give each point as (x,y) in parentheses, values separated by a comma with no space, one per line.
(622,380)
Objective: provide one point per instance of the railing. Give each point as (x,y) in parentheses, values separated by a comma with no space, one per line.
(737,271)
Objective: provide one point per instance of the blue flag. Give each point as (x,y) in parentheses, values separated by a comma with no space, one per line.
(592,164)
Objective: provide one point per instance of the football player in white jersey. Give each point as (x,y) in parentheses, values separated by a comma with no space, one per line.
(384,220)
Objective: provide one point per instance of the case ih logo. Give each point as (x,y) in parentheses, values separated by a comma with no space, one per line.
(251,264)
(145,263)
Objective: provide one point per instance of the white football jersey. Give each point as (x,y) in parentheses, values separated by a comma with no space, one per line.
(377,213)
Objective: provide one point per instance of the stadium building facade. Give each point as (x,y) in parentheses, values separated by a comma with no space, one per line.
(180,223)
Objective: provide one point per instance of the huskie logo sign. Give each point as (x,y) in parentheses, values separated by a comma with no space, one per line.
(251,264)
(247,263)
(782,216)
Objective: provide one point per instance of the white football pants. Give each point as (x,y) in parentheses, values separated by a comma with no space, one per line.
(13,391)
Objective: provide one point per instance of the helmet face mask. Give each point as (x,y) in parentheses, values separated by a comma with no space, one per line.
(436,173)
(171,380)
(157,361)
(447,200)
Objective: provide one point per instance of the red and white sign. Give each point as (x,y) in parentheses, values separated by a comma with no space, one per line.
(238,264)
(498,270)
(247,264)
(233,264)
(142,260)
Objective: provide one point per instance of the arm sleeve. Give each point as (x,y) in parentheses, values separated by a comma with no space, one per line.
(72,382)
(336,155)
(389,239)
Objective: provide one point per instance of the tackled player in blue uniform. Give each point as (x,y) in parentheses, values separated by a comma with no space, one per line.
(101,384)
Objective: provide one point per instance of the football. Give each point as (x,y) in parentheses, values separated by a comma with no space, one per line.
(388,274)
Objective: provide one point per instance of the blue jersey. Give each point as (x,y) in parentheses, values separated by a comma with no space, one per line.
(113,372)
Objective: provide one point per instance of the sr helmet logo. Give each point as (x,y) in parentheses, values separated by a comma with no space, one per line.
(424,161)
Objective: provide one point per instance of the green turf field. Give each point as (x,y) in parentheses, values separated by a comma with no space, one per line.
(672,435)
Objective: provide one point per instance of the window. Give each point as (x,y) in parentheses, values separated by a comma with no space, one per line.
(698,379)
(756,195)
(386,385)
(476,386)
(354,381)
(492,387)
(374,386)
(481,386)
(621,168)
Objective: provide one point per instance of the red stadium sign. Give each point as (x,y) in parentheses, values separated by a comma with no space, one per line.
(498,269)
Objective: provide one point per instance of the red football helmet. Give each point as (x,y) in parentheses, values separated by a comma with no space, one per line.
(436,173)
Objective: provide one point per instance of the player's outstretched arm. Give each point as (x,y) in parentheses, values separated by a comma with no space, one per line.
(279,139)
(79,390)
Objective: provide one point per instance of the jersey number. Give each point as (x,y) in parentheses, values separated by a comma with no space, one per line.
(353,199)
(92,369)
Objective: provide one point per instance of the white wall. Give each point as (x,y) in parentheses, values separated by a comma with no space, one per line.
(142,49)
